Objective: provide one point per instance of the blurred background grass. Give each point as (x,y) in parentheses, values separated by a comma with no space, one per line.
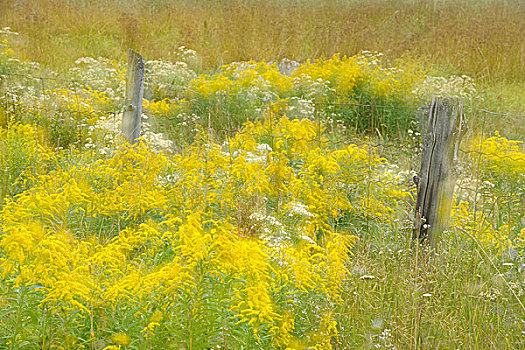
(483,39)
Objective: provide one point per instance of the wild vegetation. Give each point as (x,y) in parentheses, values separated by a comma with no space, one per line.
(269,203)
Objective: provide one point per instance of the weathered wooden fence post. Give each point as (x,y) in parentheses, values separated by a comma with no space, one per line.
(134,93)
(437,177)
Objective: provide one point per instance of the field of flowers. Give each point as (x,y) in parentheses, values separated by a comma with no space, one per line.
(239,220)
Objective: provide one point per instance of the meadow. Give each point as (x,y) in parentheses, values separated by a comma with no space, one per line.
(270,201)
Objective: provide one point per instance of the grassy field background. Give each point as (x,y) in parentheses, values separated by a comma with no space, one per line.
(483,39)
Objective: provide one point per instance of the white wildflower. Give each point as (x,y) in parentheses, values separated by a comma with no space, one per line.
(299,209)
(367,277)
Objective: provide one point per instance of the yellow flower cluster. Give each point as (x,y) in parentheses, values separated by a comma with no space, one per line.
(22,157)
(477,223)
(242,76)
(6,52)
(495,216)
(257,212)
(6,49)
(87,102)
(343,75)
(504,157)
(161,107)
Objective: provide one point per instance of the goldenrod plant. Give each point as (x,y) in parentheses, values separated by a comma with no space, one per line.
(229,236)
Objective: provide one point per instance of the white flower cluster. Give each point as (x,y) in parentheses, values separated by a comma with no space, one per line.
(277,234)
(287,66)
(155,140)
(385,340)
(107,133)
(5,31)
(490,295)
(100,74)
(300,108)
(264,148)
(186,55)
(163,77)
(374,60)
(369,58)
(472,189)
(254,158)
(236,69)
(22,93)
(103,135)
(260,91)
(391,173)
(110,124)
(186,123)
(462,87)
(314,89)
(299,209)
(517,287)
(260,156)
(13,64)
(273,232)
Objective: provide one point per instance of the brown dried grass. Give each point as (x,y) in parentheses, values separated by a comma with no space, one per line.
(480,38)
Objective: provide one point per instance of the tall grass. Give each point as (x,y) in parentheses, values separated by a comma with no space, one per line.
(454,300)
(480,38)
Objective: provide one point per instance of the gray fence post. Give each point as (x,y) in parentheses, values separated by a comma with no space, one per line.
(437,177)
(134,93)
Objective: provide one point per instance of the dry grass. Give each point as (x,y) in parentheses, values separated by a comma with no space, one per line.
(480,38)
(452,300)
